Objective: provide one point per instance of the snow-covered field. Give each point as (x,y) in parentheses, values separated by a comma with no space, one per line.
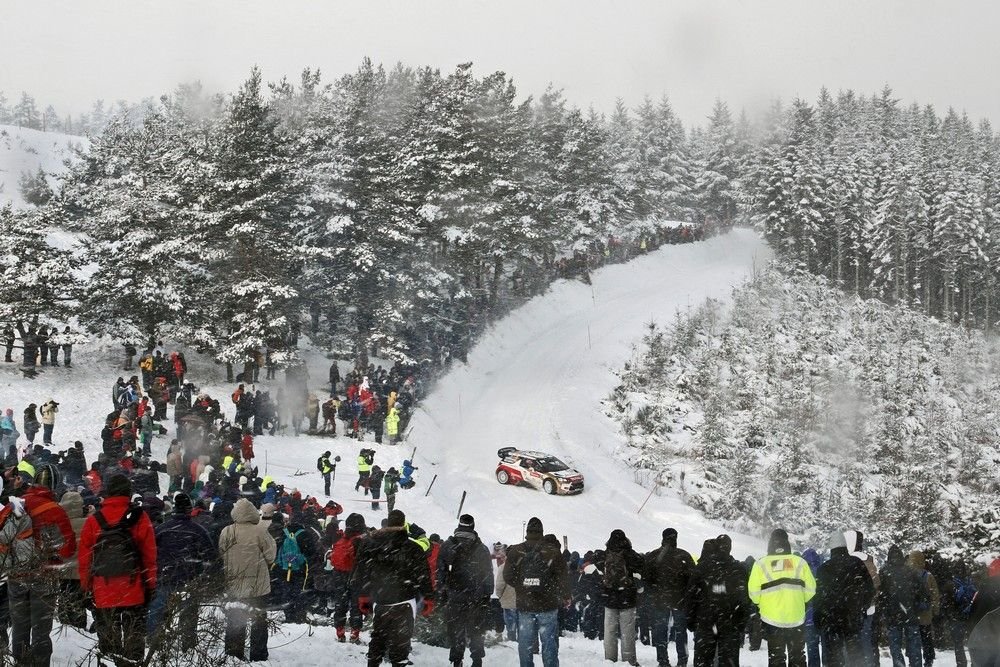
(536,379)
(23,150)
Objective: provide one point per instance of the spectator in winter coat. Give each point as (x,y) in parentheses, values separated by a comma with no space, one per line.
(537,572)
(392,572)
(32,595)
(718,605)
(392,425)
(247,552)
(844,590)
(619,569)
(782,608)
(856,546)
(31,424)
(119,596)
(464,585)
(508,598)
(293,577)
(667,577)
(927,614)
(900,599)
(48,411)
(72,610)
(184,554)
(375,486)
(343,556)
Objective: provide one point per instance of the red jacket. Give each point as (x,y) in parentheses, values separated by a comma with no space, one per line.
(46,517)
(246,447)
(124,591)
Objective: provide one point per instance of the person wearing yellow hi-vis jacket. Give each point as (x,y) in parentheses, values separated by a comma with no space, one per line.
(365,460)
(781,584)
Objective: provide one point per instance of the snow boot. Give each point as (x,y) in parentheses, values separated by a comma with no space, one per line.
(341,637)
(355,636)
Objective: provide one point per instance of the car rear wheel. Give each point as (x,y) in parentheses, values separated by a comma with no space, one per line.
(549,486)
(503,477)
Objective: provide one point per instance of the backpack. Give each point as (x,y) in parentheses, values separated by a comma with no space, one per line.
(616,574)
(924,603)
(17,542)
(534,569)
(290,557)
(965,595)
(343,554)
(319,464)
(48,537)
(115,553)
(465,573)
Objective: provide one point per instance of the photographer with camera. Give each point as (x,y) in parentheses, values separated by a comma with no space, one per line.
(366,458)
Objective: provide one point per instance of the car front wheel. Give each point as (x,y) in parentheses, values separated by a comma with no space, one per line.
(549,486)
(503,477)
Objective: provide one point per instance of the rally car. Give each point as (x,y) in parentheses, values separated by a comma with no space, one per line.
(537,470)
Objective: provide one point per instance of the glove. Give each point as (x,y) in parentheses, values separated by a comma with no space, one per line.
(365,605)
(427,609)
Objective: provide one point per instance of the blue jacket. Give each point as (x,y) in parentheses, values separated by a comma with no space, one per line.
(184,550)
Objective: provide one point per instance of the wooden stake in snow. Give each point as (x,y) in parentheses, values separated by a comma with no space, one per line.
(651,492)
(430,485)
(565,543)
(413,453)
(461,505)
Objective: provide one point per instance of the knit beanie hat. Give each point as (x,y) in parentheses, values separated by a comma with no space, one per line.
(267,510)
(466,522)
(119,485)
(534,528)
(182,503)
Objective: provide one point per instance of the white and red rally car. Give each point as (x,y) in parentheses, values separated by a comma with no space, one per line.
(537,470)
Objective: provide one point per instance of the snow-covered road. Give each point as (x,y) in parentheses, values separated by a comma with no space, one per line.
(537,379)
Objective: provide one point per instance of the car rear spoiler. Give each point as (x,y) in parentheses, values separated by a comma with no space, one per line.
(503,452)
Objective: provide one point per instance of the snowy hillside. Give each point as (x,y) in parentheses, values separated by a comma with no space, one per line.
(805,408)
(24,151)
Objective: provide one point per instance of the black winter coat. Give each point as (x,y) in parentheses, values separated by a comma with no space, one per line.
(553,585)
(390,568)
(718,594)
(464,569)
(902,595)
(184,551)
(667,577)
(844,590)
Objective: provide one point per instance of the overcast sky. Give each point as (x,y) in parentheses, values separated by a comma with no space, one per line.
(70,52)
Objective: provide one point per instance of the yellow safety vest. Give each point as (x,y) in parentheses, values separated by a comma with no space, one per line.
(781,585)
(392,422)
(24,466)
(363,465)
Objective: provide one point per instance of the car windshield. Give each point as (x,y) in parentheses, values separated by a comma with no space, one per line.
(550,464)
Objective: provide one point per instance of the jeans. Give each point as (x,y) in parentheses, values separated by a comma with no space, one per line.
(619,624)
(812,646)
(869,651)
(956,629)
(908,635)
(47,433)
(544,624)
(510,622)
(670,625)
(927,643)
(32,606)
(326,484)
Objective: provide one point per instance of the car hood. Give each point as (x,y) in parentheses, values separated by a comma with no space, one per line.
(569,473)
